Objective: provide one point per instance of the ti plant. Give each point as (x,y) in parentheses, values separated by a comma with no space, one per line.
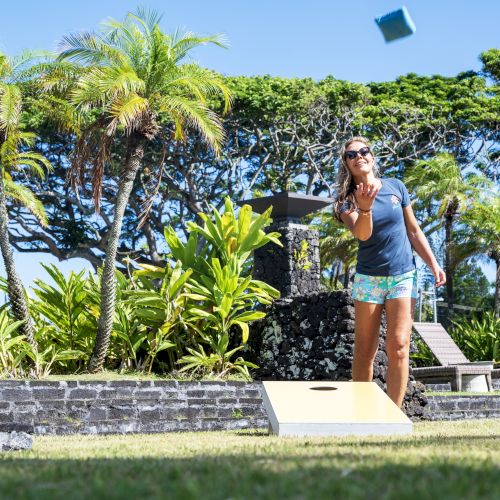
(161,310)
(66,311)
(13,347)
(221,300)
(221,296)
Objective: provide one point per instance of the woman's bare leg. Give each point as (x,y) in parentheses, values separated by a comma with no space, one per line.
(397,345)
(367,331)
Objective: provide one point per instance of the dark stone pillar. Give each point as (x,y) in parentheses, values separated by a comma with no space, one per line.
(293,269)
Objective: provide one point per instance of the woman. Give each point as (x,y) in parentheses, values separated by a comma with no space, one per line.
(378,213)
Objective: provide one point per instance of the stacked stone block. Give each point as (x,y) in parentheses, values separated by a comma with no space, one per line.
(462,407)
(128,406)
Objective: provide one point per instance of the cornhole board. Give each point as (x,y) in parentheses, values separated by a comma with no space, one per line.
(331,409)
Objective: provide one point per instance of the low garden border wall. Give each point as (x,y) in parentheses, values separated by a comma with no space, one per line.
(90,407)
(106,407)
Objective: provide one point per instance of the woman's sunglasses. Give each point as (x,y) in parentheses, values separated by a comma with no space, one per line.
(350,155)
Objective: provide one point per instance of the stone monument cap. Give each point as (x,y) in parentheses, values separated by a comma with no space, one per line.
(288,204)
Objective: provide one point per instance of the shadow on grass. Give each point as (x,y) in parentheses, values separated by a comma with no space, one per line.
(266,475)
(413,441)
(419,442)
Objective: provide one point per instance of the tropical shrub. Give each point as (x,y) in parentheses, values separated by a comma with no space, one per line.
(13,347)
(63,315)
(222,294)
(18,358)
(195,310)
(160,309)
(478,337)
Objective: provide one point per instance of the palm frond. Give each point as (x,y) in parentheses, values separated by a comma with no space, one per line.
(89,48)
(127,112)
(57,77)
(5,66)
(91,149)
(149,18)
(100,85)
(61,113)
(26,65)
(35,162)
(27,198)
(198,117)
(199,81)
(10,107)
(184,43)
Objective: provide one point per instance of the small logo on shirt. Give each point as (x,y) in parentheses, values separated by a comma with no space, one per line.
(395,201)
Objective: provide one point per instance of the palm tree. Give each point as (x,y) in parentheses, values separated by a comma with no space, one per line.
(482,222)
(440,182)
(14,155)
(137,78)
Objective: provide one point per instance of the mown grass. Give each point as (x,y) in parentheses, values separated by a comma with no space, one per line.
(462,393)
(134,375)
(440,460)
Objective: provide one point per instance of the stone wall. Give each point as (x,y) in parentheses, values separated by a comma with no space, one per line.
(311,338)
(159,406)
(128,406)
(462,407)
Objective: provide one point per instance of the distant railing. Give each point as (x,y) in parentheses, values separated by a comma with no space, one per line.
(439,303)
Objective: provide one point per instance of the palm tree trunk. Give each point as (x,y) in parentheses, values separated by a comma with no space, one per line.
(15,287)
(497,287)
(347,276)
(450,298)
(135,152)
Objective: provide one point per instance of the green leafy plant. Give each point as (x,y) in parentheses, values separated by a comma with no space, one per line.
(64,312)
(221,296)
(423,356)
(13,347)
(15,352)
(222,300)
(478,337)
(217,363)
(43,361)
(160,309)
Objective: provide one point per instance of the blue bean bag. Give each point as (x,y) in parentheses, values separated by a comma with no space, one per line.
(396,24)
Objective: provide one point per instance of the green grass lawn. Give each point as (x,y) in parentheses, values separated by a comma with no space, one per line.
(114,375)
(462,393)
(440,460)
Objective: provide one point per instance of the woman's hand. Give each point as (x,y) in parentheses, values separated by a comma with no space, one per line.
(439,276)
(365,195)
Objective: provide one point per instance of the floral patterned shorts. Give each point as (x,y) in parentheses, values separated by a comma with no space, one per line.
(377,289)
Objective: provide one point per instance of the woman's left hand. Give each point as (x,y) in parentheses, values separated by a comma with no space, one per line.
(439,276)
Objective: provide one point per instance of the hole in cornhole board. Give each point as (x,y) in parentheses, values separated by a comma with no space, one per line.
(323,388)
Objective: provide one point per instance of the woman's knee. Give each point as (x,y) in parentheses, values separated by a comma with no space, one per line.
(398,349)
(365,353)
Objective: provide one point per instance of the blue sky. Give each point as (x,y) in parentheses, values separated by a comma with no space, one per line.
(293,38)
